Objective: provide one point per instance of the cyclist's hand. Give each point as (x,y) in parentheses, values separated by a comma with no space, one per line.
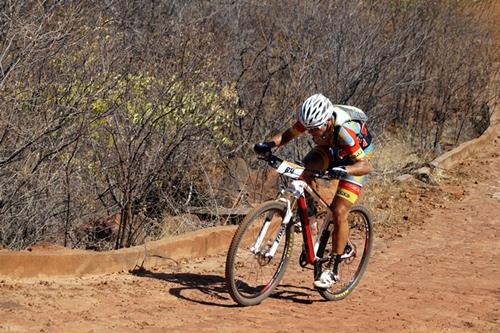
(337,172)
(263,148)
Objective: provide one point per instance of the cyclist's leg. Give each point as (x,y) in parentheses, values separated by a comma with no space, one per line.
(341,205)
(346,196)
(348,191)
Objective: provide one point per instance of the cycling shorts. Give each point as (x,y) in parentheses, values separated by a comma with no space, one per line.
(323,157)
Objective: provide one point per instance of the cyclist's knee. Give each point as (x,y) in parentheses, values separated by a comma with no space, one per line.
(316,159)
(340,210)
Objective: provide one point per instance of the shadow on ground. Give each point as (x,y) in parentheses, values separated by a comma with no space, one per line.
(211,290)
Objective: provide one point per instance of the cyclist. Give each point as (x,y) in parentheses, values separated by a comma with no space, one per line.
(343,148)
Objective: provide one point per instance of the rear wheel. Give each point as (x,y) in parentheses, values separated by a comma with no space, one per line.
(351,269)
(251,272)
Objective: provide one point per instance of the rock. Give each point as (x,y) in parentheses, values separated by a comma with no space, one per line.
(404,178)
(425,174)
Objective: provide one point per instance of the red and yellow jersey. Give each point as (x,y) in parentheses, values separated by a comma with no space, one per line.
(348,141)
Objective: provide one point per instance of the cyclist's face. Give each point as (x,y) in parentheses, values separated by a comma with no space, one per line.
(318,131)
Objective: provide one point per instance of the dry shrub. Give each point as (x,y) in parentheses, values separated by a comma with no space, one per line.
(397,205)
(95,117)
(394,151)
(180,224)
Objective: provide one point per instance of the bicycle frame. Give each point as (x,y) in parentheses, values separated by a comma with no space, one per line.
(298,189)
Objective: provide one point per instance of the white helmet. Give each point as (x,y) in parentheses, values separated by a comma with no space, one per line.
(315,111)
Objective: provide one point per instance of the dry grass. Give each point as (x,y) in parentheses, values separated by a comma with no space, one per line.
(397,206)
(181,224)
(393,152)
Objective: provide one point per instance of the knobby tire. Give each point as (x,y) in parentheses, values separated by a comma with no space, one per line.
(242,266)
(336,292)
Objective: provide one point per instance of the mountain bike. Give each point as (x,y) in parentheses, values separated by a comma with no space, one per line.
(261,247)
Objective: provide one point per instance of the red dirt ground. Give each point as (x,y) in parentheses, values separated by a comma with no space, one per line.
(440,276)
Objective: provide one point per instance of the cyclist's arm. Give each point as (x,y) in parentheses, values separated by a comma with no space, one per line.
(288,135)
(359,168)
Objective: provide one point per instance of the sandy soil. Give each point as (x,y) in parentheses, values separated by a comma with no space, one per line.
(439,276)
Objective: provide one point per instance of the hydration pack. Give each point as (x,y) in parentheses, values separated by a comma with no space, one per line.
(346,113)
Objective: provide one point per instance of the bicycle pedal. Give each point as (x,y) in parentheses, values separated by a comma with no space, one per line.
(348,252)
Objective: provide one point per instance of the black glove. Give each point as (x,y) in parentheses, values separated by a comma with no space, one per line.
(263,148)
(337,172)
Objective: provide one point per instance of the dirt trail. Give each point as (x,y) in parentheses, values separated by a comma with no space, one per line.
(443,276)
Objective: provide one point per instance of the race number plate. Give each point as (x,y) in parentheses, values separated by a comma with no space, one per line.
(290,169)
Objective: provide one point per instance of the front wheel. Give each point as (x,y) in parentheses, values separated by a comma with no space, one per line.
(359,246)
(254,265)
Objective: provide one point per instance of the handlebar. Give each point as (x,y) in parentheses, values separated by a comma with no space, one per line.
(273,160)
(293,170)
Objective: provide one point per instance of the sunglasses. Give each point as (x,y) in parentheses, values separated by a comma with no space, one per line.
(314,129)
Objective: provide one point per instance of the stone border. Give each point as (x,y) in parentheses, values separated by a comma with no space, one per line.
(42,264)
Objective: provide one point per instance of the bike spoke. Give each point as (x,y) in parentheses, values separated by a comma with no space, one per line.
(351,268)
(257,255)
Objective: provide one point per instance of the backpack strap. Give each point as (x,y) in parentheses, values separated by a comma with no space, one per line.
(336,130)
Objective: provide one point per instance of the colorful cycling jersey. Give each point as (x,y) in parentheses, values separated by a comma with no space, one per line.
(349,142)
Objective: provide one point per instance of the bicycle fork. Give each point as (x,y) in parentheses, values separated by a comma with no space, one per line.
(256,248)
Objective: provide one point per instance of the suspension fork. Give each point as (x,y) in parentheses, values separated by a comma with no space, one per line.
(265,226)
